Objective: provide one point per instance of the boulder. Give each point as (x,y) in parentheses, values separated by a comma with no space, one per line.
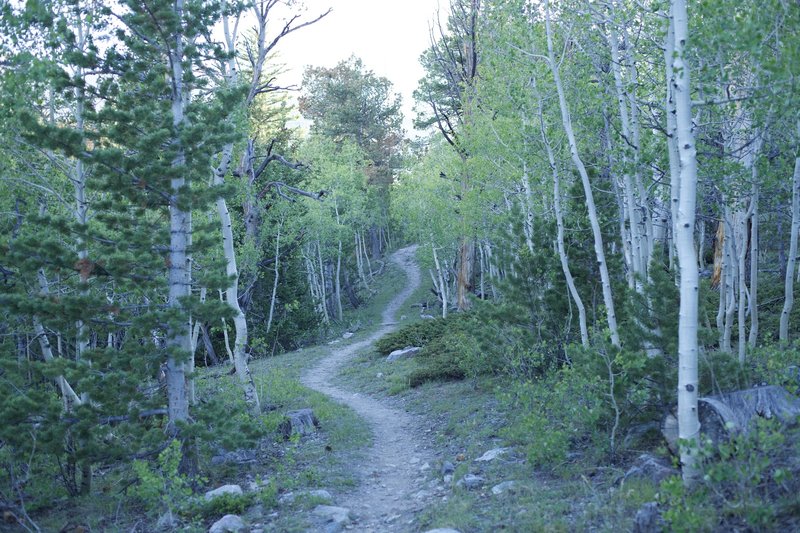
(235,490)
(230,523)
(492,454)
(408,351)
(236,457)
(736,412)
(334,518)
(300,422)
(505,486)
(471,482)
(650,467)
(648,519)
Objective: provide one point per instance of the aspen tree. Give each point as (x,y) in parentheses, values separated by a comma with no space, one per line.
(688,423)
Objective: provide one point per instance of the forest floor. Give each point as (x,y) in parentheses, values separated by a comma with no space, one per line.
(395,467)
(397,458)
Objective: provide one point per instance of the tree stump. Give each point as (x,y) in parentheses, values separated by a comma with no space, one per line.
(736,412)
(300,422)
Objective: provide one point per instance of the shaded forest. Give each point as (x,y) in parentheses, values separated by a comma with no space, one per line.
(605,196)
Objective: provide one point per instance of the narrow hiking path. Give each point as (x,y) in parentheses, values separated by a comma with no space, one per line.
(394,469)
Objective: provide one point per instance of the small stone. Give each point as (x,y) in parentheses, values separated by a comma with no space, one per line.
(379,375)
(347,334)
(230,523)
(335,341)
(236,490)
(408,351)
(335,517)
(443,530)
(422,495)
(447,478)
(505,486)
(287,499)
(427,317)
(424,467)
(492,454)
(461,457)
(413,460)
(321,494)
(471,482)
(648,519)
(448,467)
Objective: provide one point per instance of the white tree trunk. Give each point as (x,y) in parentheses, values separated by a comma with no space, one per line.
(562,253)
(672,141)
(527,212)
(608,299)
(277,274)
(688,423)
(443,288)
(753,338)
(232,299)
(323,284)
(68,394)
(788,290)
(239,354)
(338,284)
(178,340)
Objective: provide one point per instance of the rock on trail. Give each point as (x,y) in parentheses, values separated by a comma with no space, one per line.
(391,473)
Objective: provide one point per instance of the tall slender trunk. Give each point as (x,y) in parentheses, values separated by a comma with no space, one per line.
(322,283)
(608,299)
(753,338)
(443,288)
(232,299)
(229,251)
(788,286)
(277,274)
(688,423)
(670,112)
(634,228)
(178,340)
(527,212)
(562,253)
(338,283)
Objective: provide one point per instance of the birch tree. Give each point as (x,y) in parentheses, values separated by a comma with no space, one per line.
(566,119)
(680,90)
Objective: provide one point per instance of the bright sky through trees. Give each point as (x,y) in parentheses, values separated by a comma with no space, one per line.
(388,35)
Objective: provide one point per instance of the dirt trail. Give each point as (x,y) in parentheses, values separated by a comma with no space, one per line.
(393,470)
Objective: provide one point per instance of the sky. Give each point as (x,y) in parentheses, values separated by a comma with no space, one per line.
(388,35)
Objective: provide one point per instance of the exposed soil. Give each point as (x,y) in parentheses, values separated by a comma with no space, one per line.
(394,469)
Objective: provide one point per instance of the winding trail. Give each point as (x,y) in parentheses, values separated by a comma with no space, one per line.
(393,469)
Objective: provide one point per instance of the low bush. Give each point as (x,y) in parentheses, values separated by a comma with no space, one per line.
(749,483)
(419,333)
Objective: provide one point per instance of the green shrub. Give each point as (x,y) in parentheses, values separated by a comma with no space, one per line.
(437,368)
(418,334)
(161,484)
(750,483)
(555,414)
(221,505)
